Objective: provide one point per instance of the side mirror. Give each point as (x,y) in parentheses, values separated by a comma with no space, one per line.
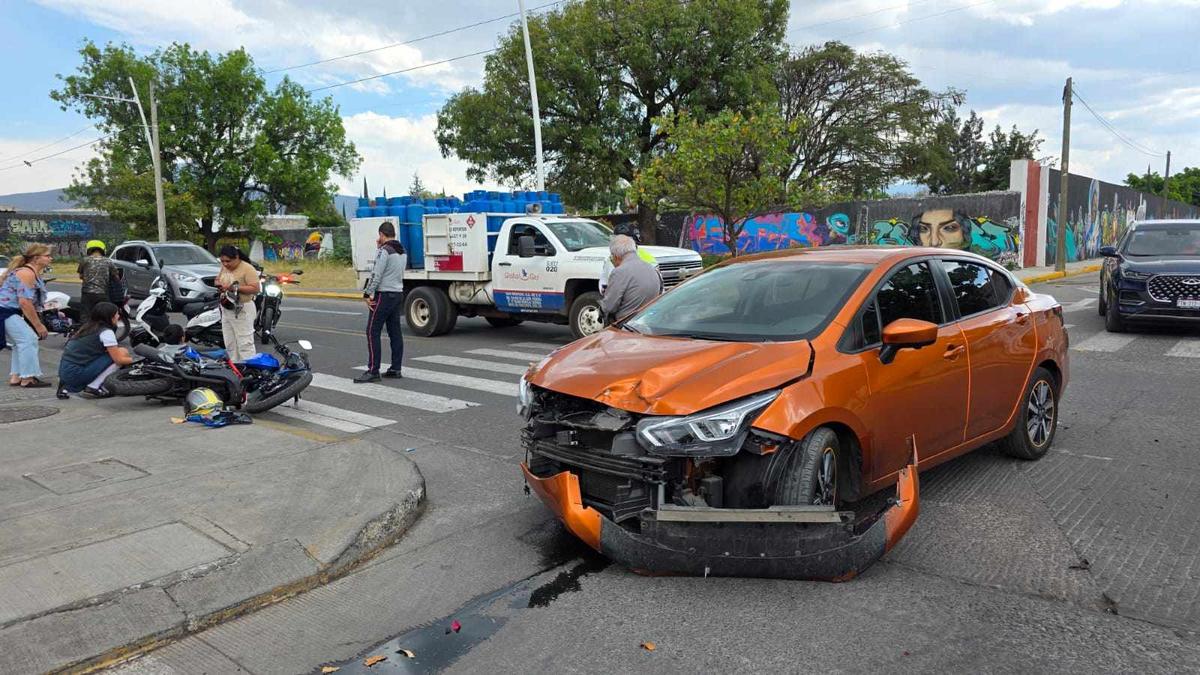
(142,262)
(906,334)
(1108,251)
(297,272)
(525,247)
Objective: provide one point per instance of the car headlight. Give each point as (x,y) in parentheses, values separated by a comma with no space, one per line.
(184,277)
(524,398)
(713,433)
(273,290)
(1135,275)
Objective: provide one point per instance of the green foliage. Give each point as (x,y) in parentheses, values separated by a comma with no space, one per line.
(606,69)
(1184,187)
(960,160)
(232,150)
(731,165)
(326,216)
(863,120)
(418,189)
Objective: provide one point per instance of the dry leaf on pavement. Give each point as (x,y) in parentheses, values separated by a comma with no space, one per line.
(649,646)
(329,669)
(372,660)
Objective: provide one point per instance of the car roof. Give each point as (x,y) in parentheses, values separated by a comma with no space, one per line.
(1165,224)
(873,255)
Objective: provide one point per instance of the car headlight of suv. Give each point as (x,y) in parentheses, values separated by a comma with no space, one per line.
(184,277)
(1135,275)
(718,432)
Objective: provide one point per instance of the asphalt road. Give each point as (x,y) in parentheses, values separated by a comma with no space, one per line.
(1088,560)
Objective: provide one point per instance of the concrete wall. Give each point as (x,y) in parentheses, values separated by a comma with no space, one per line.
(67,232)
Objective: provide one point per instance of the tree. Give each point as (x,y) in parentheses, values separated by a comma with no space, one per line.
(1184,187)
(863,121)
(960,160)
(606,69)
(417,189)
(235,149)
(731,165)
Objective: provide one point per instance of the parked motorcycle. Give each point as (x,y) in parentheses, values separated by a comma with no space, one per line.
(257,385)
(269,298)
(150,319)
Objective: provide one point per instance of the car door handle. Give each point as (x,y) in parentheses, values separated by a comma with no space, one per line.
(1022,317)
(504,264)
(953,352)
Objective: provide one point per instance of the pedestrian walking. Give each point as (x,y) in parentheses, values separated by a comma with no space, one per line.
(238,283)
(92,354)
(22,295)
(99,278)
(631,230)
(384,295)
(633,281)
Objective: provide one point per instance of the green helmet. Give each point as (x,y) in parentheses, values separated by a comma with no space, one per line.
(202,401)
(94,244)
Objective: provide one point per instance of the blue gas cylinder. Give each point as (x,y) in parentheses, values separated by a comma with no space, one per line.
(362,212)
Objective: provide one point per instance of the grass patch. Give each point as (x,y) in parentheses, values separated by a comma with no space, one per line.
(317,273)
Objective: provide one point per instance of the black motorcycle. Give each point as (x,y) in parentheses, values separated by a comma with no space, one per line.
(269,298)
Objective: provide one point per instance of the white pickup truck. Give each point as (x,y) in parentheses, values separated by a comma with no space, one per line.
(507,269)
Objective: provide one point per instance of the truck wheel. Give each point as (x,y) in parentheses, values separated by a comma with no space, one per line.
(503,322)
(428,311)
(586,317)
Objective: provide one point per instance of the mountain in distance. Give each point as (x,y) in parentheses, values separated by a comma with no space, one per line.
(46,200)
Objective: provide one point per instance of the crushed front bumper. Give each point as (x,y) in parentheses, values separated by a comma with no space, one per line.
(826,551)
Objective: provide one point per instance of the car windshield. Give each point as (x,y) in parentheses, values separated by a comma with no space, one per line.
(183,255)
(577,235)
(1181,240)
(778,300)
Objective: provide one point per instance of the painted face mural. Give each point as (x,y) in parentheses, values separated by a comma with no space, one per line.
(941,228)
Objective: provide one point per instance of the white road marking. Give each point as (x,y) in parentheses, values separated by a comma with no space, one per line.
(1068,326)
(321,311)
(504,354)
(536,345)
(321,420)
(333,412)
(392,395)
(1079,305)
(454,380)
(1104,342)
(1188,349)
(476,364)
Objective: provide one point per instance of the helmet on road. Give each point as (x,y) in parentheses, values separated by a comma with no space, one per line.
(202,401)
(96,244)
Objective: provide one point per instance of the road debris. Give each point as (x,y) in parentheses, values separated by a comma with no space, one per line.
(329,669)
(649,646)
(407,652)
(372,660)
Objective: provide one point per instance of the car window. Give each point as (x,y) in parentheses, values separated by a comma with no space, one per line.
(976,288)
(184,255)
(868,325)
(910,293)
(125,254)
(541,245)
(1181,240)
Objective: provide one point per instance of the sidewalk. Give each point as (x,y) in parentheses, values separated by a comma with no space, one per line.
(121,530)
(1037,275)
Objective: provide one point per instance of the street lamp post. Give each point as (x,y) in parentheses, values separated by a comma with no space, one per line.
(537,115)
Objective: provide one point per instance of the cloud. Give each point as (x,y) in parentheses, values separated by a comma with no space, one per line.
(393,148)
(47,174)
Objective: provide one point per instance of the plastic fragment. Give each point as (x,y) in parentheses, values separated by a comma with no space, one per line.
(407,652)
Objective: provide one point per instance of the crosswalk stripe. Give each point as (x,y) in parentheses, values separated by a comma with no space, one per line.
(475,364)
(1188,349)
(536,345)
(392,395)
(352,416)
(1079,305)
(454,380)
(504,354)
(314,418)
(1104,342)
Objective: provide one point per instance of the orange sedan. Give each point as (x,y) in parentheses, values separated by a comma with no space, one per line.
(749,421)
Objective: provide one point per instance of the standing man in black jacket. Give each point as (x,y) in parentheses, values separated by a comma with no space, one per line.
(384,295)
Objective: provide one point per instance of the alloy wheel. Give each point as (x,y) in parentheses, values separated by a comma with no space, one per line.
(1040,414)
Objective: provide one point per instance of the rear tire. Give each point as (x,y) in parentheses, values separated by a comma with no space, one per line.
(586,317)
(1113,322)
(125,383)
(255,405)
(429,312)
(1037,419)
(502,322)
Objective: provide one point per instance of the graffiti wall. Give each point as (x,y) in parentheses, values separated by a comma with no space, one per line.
(1098,213)
(986,223)
(68,232)
(292,244)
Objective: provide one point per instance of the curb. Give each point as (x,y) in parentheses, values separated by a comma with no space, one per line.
(377,534)
(1050,276)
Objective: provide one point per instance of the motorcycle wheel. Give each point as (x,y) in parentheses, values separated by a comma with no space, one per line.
(254,404)
(128,382)
(267,320)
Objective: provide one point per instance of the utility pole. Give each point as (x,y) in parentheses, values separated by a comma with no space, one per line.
(155,156)
(1060,252)
(1167,178)
(537,115)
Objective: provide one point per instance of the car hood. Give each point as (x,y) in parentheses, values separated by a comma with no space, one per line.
(200,269)
(659,252)
(1165,264)
(668,376)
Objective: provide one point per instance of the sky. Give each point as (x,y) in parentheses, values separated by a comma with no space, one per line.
(1134,62)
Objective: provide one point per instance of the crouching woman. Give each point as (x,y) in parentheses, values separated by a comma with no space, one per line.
(92,354)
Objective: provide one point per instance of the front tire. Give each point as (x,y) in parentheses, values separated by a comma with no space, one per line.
(1037,419)
(255,405)
(1113,322)
(807,472)
(586,317)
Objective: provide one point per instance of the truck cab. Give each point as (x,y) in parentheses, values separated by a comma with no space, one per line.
(510,269)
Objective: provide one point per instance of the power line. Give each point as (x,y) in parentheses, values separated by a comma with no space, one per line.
(404,70)
(1113,130)
(412,41)
(31,162)
(915,19)
(50,145)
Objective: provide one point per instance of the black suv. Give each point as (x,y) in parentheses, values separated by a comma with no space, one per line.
(1152,275)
